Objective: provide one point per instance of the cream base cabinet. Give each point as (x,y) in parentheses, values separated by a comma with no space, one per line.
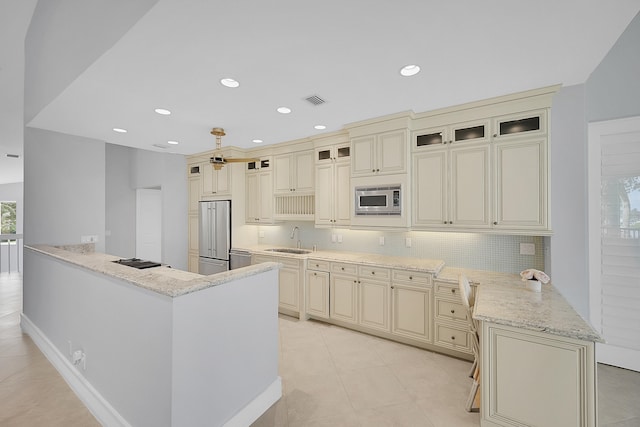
(532,378)
(317,293)
(411,300)
(289,282)
(343,296)
(374,304)
(521,193)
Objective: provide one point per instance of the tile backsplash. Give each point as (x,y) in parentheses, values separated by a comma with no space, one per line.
(467,250)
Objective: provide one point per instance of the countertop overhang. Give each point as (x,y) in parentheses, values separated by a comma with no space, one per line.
(163,280)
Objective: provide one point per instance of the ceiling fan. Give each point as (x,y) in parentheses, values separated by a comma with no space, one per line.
(218,161)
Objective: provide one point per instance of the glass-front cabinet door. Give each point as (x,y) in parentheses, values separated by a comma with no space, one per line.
(522,125)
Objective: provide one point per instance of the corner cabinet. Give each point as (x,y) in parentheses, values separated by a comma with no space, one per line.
(383,153)
(333,189)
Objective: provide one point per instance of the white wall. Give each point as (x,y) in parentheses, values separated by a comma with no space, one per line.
(64,187)
(568,250)
(120,202)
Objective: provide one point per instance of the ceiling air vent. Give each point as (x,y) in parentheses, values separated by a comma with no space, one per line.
(315,100)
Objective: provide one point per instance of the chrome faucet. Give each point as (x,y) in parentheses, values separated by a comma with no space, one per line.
(293,233)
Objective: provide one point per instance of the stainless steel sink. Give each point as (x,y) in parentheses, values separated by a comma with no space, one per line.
(290,251)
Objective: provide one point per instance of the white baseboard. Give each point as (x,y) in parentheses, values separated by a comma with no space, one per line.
(618,356)
(92,399)
(257,406)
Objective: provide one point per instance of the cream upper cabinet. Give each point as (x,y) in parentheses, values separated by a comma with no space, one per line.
(520,176)
(215,182)
(520,125)
(383,153)
(194,194)
(294,173)
(333,190)
(451,187)
(461,133)
(259,197)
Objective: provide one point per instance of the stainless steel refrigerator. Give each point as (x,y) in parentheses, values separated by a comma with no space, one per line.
(214,236)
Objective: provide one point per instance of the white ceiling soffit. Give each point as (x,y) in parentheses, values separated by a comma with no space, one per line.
(347,52)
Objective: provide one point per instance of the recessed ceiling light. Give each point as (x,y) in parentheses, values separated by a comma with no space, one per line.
(173,142)
(284,110)
(319,127)
(257,141)
(162,111)
(119,130)
(230,82)
(410,70)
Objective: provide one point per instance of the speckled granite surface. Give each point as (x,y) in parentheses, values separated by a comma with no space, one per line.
(416,264)
(163,280)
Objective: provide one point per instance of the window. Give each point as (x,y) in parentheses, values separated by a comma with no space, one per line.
(8,214)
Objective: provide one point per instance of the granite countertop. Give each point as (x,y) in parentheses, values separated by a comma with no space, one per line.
(163,280)
(504,299)
(432,266)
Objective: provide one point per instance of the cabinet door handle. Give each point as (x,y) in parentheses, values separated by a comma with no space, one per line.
(495,135)
(453,291)
(410,277)
(453,338)
(453,311)
(373,272)
(392,287)
(445,222)
(377,170)
(495,222)
(315,274)
(342,268)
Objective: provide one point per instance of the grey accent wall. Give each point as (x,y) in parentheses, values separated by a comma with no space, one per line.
(128,169)
(568,250)
(65,37)
(64,181)
(613,89)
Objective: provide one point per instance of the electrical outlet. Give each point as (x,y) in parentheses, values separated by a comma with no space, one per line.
(89,239)
(407,242)
(334,238)
(339,238)
(527,248)
(381,241)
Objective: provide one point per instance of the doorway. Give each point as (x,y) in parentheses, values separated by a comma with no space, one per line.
(149,224)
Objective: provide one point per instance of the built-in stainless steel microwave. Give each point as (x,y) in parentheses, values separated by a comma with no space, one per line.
(378,200)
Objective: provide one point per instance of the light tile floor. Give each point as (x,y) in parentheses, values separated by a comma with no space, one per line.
(331,377)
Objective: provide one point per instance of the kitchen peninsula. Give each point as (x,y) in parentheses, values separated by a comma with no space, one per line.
(153,347)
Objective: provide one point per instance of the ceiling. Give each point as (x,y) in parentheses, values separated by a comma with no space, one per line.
(349,53)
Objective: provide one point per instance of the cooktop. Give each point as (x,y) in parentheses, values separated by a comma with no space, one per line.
(137,263)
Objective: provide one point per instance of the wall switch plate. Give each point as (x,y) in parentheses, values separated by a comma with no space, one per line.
(339,238)
(527,248)
(261,234)
(334,238)
(381,240)
(407,242)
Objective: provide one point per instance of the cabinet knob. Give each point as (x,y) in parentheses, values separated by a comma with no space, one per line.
(373,272)
(342,268)
(495,222)
(450,222)
(317,265)
(377,170)
(392,287)
(453,311)
(315,274)
(373,170)
(453,338)
(445,222)
(453,291)
(410,277)
(495,135)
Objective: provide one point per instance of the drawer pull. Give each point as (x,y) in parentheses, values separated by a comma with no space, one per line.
(453,338)
(410,277)
(342,268)
(453,291)
(373,272)
(453,311)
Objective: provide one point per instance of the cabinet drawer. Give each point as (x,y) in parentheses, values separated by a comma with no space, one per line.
(447,289)
(318,265)
(411,277)
(340,267)
(452,337)
(377,273)
(449,310)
